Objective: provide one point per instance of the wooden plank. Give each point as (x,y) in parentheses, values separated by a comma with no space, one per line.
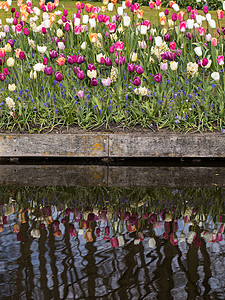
(166,145)
(54,145)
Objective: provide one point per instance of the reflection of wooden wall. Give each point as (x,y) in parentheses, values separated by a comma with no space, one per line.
(111,176)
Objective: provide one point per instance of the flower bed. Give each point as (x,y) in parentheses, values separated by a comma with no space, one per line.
(100,69)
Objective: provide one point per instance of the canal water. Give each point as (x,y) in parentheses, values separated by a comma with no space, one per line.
(101,242)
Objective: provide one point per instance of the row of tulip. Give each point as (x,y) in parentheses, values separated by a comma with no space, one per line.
(96,69)
(114,225)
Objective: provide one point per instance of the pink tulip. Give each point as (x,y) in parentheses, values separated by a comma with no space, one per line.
(19,28)
(119,46)
(106,20)
(220,60)
(114,242)
(112,27)
(181,16)
(201,31)
(214,41)
(147,23)
(77,29)
(183,26)
(219,13)
(172,46)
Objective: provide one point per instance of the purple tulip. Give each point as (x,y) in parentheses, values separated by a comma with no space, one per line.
(188,9)
(80,59)
(2,77)
(111,49)
(219,31)
(64,19)
(189,35)
(100,18)
(122,60)
(11,42)
(61,55)
(130,68)
(58,76)
(48,71)
(56,39)
(139,69)
(82,5)
(45,61)
(174,17)
(136,81)
(94,81)
(91,67)
(152,218)
(167,37)
(157,77)
(166,12)
(2,61)
(15,22)
(76,70)
(108,61)
(70,60)
(132,8)
(80,75)
(102,61)
(178,52)
(21,22)
(67,27)
(53,54)
(223,30)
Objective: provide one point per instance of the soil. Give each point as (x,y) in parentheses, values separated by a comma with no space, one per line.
(113,128)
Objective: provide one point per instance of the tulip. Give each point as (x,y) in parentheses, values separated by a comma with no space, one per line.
(188,9)
(140,13)
(136,81)
(114,242)
(174,17)
(91,67)
(151,243)
(198,51)
(112,27)
(120,61)
(158,41)
(106,82)
(11,42)
(167,37)
(48,71)
(172,46)
(17,15)
(80,75)
(108,61)
(139,69)
(61,45)
(183,26)
(119,46)
(201,31)
(22,55)
(181,16)
(219,13)
(53,54)
(130,68)
(58,76)
(111,49)
(6,72)
(67,27)
(189,35)
(157,77)
(214,41)
(151,4)
(143,29)
(26,31)
(2,77)
(45,61)
(163,66)
(205,9)
(126,21)
(220,60)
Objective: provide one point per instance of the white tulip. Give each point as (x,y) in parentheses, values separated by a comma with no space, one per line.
(123,5)
(198,19)
(76,21)
(143,29)
(208,37)
(120,240)
(126,21)
(92,22)
(120,11)
(83,45)
(173,65)
(215,76)
(59,33)
(223,5)
(208,17)
(158,41)
(110,7)
(212,24)
(198,51)
(151,241)
(85,19)
(45,16)
(37,11)
(175,7)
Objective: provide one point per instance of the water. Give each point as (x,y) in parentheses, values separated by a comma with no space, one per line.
(112,243)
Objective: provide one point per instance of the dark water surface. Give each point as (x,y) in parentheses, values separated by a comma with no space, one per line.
(112,243)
